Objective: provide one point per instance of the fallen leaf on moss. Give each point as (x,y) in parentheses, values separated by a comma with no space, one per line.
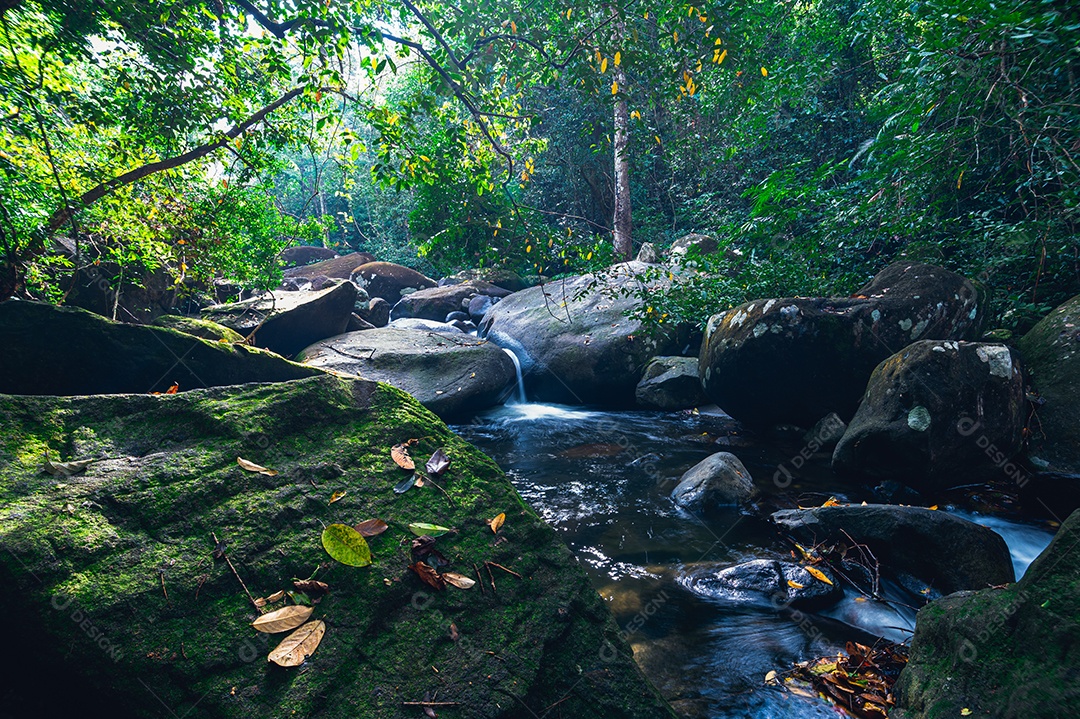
(65,469)
(345,544)
(298,646)
(428,575)
(432,530)
(337,496)
(458,580)
(252,467)
(438,463)
(497,522)
(400,454)
(283,619)
(313,588)
(371,527)
(406,484)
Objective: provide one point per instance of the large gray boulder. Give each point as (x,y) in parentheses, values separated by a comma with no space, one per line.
(299,255)
(286,322)
(506,279)
(795,360)
(435,303)
(716,481)
(937,414)
(69,351)
(450,374)
(943,551)
(670,383)
(1051,353)
(575,343)
(338,268)
(1011,653)
(389,281)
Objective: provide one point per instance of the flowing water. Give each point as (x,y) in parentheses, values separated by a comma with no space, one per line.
(603,480)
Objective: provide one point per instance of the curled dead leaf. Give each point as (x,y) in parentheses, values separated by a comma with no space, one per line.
(371,527)
(283,619)
(458,580)
(64,469)
(314,589)
(337,496)
(438,463)
(428,575)
(173,389)
(252,467)
(400,454)
(298,646)
(497,522)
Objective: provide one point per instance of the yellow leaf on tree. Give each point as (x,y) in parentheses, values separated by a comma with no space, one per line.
(657,139)
(614,88)
(568,11)
(603,66)
(675,36)
(764,72)
(618,58)
(720,59)
(636,115)
(818,574)
(513,27)
(528,249)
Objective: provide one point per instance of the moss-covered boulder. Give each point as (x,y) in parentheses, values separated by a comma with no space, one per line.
(1052,353)
(111,582)
(199,328)
(1012,652)
(287,322)
(795,360)
(937,414)
(69,351)
(450,373)
(575,339)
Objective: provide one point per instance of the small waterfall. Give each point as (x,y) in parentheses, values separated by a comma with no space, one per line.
(519,398)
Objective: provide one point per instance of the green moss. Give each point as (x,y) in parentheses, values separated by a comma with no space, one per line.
(137,526)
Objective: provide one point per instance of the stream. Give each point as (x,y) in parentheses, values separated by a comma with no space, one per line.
(602,479)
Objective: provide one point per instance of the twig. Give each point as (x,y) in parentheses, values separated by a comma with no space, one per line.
(491,578)
(430,704)
(479,578)
(448,499)
(235,574)
(161,576)
(202,581)
(508,571)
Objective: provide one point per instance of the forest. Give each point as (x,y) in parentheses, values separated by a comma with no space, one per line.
(536,359)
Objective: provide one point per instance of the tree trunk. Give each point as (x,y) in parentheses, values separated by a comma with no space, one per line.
(621,221)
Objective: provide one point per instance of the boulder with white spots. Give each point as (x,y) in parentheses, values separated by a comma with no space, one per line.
(937,414)
(795,360)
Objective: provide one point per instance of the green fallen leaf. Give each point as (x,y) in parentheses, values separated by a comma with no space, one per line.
(346,545)
(432,530)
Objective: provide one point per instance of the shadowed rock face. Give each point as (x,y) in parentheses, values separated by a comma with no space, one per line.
(68,351)
(765,582)
(91,557)
(435,303)
(937,414)
(944,551)
(389,281)
(338,268)
(306,255)
(575,343)
(450,374)
(1012,652)
(795,360)
(670,383)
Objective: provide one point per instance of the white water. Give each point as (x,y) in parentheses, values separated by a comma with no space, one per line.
(520,396)
(1025,542)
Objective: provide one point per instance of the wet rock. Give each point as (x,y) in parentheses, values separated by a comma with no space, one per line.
(648,254)
(573,338)
(938,414)
(339,267)
(69,351)
(1011,652)
(286,322)
(458,315)
(795,360)
(766,582)
(358,324)
(436,303)
(90,560)
(413,323)
(478,307)
(198,328)
(389,281)
(670,383)
(826,433)
(716,481)
(451,374)
(305,255)
(945,552)
(377,312)
(505,279)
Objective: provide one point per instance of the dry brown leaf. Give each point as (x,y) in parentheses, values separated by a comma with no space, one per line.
(314,589)
(458,580)
(173,389)
(298,646)
(497,522)
(252,467)
(65,469)
(371,527)
(454,635)
(428,575)
(276,596)
(337,495)
(400,454)
(283,619)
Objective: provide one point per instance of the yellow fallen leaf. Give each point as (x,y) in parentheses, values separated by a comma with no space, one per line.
(283,620)
(965,712)
(818,574)
(794,585)
(336,496)
(298,646)
(497,522)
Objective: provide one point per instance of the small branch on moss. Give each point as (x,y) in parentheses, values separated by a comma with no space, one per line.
(161,576)
(490,577)
(235,574)
(508,571)
(479,578)
(430,704)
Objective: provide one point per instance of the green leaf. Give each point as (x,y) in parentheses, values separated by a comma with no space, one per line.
(432,530)
(346,545)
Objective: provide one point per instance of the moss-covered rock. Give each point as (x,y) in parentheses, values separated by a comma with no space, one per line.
(795,360)
(199,328)
(69,351)
(1008,653)
(112,575)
